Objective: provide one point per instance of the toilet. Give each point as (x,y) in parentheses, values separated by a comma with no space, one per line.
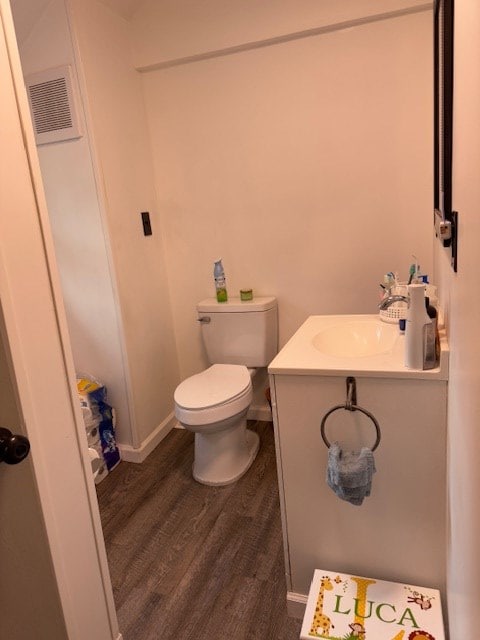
(239,337)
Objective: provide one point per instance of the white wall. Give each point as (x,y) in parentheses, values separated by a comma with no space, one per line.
(113,277)
(122,143)
(460,296)
(79,234)
(173,29)
(305,165)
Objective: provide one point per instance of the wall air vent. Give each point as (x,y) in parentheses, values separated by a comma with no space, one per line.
(53,105)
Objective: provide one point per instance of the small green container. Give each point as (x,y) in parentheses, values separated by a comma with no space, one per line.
(246,294)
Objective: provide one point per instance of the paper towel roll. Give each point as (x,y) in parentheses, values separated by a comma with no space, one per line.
(96,461)
(93,436)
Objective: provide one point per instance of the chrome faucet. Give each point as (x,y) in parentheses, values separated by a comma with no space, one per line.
(389,300)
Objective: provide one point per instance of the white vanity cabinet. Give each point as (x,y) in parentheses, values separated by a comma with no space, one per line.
(399,532)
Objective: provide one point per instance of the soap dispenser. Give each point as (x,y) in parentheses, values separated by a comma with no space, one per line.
(417,318)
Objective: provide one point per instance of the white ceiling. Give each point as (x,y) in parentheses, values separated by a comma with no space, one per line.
(25,15)
(125,8)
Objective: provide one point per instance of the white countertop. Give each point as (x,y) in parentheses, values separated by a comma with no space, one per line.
(300,357)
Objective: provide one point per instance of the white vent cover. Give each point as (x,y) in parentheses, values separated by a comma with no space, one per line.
(53,105)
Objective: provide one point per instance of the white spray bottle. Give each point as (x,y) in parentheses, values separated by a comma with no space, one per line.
(417,318)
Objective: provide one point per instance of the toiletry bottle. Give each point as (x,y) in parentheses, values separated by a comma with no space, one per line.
(417,318)
(220,285)
(430,337)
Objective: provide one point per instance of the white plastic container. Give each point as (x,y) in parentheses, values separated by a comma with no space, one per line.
(417,318)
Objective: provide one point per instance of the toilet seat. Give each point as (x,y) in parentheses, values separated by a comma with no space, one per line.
(219,392)
(216,385)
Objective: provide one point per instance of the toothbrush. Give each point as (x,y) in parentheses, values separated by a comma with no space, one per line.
(413,269)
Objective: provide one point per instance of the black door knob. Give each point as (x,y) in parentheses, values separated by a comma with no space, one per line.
(13,447)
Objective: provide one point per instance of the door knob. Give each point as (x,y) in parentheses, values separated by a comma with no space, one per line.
(13,447)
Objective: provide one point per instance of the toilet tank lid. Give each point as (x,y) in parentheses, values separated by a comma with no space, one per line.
(235,305)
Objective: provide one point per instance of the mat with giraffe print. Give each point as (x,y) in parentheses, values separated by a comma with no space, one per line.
(348,607)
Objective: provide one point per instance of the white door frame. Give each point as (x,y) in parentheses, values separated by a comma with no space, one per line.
(42,366)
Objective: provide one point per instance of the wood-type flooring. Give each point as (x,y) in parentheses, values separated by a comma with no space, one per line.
(189,561)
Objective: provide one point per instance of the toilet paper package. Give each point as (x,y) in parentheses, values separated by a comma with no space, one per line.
(90,393)
(99,418)
(93,434)
(106,429)
(99,468)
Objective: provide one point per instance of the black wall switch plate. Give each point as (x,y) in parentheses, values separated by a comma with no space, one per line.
(147,227)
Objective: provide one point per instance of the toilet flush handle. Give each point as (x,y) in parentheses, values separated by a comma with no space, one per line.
(204,319)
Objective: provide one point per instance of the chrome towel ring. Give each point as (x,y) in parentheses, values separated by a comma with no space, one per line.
(350,405)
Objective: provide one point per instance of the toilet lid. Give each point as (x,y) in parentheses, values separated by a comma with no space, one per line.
(216,385)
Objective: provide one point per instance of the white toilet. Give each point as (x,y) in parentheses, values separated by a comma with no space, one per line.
(238,338)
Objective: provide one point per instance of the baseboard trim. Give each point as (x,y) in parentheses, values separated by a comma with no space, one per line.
(138,455)
(259,412)
(296,603)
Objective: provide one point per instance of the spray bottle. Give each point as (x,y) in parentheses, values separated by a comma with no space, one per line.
(220,285)
(415,332)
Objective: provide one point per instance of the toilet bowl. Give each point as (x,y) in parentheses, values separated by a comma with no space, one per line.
(214,404)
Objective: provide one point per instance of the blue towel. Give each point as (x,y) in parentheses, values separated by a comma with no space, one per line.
(350,473)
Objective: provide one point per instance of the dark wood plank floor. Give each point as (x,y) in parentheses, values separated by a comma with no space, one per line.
(194,562)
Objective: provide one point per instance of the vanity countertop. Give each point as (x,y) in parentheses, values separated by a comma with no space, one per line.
(317,348)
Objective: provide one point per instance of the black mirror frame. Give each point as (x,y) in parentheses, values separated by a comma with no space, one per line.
(445,220)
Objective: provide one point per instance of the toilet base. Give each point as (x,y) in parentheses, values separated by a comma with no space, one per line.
(222,457)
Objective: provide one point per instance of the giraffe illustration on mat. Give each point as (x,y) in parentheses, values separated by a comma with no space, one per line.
(321,623)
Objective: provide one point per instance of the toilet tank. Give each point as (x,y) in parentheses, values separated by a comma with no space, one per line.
(237,332)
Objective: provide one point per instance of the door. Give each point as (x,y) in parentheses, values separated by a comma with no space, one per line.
(29,603)
(54,580)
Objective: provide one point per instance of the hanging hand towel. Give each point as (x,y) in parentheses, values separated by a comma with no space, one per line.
(350,473)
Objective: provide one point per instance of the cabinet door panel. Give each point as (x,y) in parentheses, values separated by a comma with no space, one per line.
(398,533)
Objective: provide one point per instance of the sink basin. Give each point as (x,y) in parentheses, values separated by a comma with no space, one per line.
(357,338)
(351,345)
